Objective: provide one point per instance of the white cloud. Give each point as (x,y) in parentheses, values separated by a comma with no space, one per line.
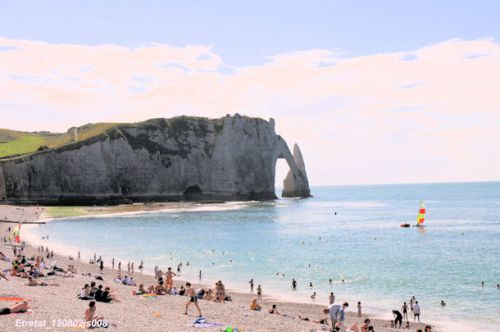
(431,114)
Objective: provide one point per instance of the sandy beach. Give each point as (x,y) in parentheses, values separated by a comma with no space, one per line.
(55,307)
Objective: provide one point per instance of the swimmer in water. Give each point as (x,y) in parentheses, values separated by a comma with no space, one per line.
(443,303)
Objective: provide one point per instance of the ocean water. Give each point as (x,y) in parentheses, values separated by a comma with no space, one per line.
(382,265)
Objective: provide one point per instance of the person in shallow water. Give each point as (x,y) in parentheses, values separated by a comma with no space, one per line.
(294,284)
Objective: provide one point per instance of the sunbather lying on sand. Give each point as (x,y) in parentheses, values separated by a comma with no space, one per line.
(34,282)
(16,307)
(321,321)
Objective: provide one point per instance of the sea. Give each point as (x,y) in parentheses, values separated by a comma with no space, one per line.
(349,234)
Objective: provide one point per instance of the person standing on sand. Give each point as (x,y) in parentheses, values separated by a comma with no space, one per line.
(120,267)
(259,292)
(169,279)
(337,314)
(416,311)
(359,309)
(132,268)
(78,255)
(412,302)
(113,264)
(404,309)
(101,267)
(141,266)
(331,298)
(192,298)
(251,285)
(199,275)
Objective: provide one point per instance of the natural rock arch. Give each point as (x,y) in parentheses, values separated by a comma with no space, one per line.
(295,183)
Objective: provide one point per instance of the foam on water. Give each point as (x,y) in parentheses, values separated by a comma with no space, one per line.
(382,264)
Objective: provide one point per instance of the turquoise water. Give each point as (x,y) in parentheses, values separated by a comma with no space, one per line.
(381,263)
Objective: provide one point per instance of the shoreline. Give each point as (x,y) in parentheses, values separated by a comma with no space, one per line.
(312,310)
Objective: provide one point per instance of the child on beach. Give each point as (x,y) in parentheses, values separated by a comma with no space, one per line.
(192,299)
(254,305)
(94,321)
(273,310)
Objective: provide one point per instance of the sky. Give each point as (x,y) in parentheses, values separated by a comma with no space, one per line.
(372,91)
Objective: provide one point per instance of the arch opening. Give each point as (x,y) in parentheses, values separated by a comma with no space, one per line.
(281,170)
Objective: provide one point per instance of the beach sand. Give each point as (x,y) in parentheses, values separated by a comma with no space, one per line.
(53,308)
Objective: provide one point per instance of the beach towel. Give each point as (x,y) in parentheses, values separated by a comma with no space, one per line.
(17,299)
(202,322)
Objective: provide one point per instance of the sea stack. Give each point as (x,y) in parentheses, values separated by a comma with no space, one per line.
(296,183)
(182,158)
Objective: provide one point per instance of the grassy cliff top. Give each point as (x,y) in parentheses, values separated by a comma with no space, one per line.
(18,143)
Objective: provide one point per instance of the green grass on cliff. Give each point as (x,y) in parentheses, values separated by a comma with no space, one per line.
(16,143)
(22,144)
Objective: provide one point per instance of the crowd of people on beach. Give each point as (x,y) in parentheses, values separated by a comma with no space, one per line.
(36,267)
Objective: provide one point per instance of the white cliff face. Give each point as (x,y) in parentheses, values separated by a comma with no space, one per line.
(162,159)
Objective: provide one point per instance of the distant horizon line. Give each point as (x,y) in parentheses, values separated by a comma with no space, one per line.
(400,183)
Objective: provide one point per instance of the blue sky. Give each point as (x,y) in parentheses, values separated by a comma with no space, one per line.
(244,32)
(373,91)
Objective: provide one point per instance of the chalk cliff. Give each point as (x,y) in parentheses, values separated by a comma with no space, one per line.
(296,183)
(182,158)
